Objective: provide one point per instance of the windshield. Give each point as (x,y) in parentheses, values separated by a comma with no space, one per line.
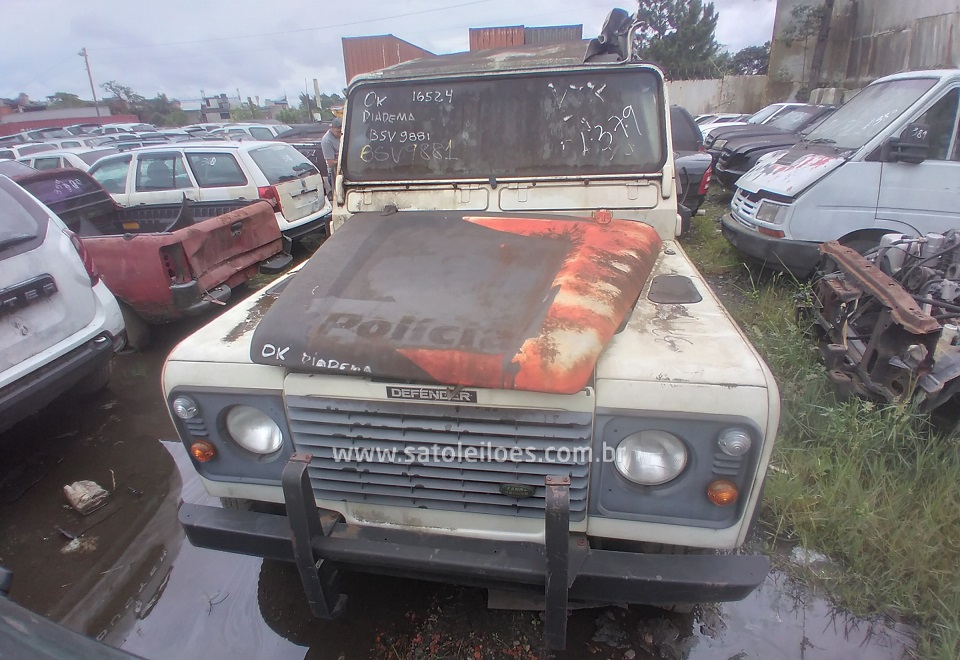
(763,115)
(572,123)
(868,113)
(281,162)
(792,120)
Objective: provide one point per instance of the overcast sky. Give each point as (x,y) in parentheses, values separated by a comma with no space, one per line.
(267,48)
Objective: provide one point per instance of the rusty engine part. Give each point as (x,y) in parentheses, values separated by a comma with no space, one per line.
(888,321)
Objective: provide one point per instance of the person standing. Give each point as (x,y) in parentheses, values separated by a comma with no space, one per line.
(330,146)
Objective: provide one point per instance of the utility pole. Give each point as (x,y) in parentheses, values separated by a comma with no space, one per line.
(93,90)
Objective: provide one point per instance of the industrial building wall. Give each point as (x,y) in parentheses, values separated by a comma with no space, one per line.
(870,39)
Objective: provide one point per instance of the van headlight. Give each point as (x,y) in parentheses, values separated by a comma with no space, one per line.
(651,457)
(719,144)
(771,212)
(253,430)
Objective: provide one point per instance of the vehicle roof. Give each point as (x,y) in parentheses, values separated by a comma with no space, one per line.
(207,146)
(516,58)
(940,74)
(70,150)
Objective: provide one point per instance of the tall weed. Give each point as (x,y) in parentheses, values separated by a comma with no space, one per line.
(873,486)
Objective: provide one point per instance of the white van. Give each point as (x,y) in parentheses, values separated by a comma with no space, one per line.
(205,172)
(887,161)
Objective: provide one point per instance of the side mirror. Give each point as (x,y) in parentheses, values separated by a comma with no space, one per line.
(912,146)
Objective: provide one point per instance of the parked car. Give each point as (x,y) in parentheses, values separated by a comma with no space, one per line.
(81,129)
(760,117)
(60,324)
(720,118)
(692,165)
(15,151)
(163,263)
(251,131)
(305,138)
(737,150)
(108,129)
(886,161)
(76,141)
(78,159)
(11,168)
(220,172)
(790,120)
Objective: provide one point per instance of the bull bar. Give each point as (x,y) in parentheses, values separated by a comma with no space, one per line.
(563,568)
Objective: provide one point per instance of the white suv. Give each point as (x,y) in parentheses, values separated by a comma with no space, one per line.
(206,172)
(59,325)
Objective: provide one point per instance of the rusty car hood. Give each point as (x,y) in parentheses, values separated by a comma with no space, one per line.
(524,302)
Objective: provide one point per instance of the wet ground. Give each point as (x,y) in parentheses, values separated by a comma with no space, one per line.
(129,578)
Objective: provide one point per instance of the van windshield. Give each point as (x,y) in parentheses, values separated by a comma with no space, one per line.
(868,113)
(541,124)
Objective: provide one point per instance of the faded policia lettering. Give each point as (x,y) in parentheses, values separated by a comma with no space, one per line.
(529,304)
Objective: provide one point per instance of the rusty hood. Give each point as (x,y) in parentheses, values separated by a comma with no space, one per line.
(523,302)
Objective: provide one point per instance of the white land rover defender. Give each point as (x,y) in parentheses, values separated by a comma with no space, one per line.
(500,370)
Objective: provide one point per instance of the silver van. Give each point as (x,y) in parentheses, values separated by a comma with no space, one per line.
(887,161)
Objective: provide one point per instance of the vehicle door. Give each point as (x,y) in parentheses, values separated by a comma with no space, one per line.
(924,195)
(47,291)
(114,175)
(220,177)
(297,183)
(161,178)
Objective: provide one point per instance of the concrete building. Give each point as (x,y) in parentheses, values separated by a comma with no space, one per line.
(867,39)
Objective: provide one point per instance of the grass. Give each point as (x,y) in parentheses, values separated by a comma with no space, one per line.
(875,487)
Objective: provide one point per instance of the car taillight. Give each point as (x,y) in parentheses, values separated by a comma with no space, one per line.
(84,256)
(705,181)
(175,263)
(270,194)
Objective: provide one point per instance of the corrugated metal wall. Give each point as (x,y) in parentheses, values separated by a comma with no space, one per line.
(366,54)
(543,36)
(496,37)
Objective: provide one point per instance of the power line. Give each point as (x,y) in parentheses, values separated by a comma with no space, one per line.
(312,29)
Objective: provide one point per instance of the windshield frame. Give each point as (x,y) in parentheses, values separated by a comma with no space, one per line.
(826,131)
(447,178)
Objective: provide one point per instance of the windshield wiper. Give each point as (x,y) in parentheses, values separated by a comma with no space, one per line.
(288,177)
(821,141)
(16,239)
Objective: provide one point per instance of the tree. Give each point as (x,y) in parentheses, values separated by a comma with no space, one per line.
(66,100)
(679,35)
(122,99)
(751,61)
(289,116)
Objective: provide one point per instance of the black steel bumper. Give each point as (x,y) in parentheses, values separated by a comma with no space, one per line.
(796,257)
(190,300)
(39,388)
(316,225)
(564,568)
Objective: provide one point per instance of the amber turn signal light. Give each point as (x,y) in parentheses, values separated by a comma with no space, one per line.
(722,493)
(202,451)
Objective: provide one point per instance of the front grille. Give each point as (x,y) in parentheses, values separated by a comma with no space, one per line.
(320,426)
(744,207)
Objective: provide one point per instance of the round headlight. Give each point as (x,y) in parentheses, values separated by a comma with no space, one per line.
(651,457)
(185,408)
(734,442)
(253,430)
